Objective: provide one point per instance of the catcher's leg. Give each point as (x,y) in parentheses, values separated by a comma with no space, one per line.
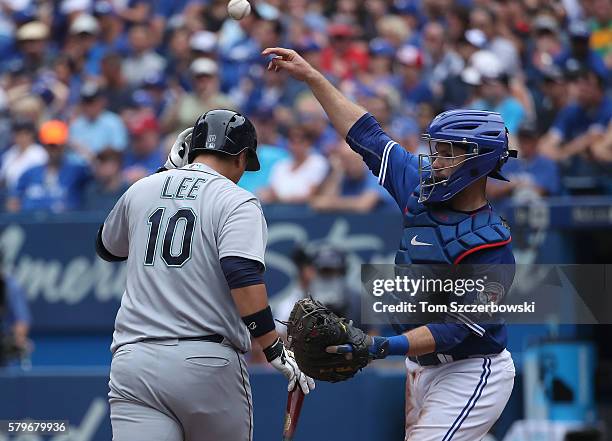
(460,401)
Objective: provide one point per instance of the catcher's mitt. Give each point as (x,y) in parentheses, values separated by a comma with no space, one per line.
(311,328)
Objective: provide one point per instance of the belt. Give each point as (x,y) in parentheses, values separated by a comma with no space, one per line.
(214,338)
(436,359)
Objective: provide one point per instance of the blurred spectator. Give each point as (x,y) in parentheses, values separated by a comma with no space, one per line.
(24,154)
(15,320)
(413,87)
(599,13)
(81,43)
(32,42)
(531,175)
(350,186)
(55,186)
(110,36)
(580,51)
(378,77)
(296,179)
(145,154)
(270,150)
(329,286)
(312,118)
(439,61)
(162,98)
(178,56)
(302,257)
(142,59)
(108,185)
(206,95)
(552,97)
(112,81)
(344,56)
(458,88)
(486,21)
(96,128)
(580,124)
(495,96)
(545,47)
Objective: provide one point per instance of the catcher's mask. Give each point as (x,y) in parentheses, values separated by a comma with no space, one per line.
(469,144)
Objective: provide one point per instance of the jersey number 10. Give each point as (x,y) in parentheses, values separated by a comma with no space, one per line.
(155,220)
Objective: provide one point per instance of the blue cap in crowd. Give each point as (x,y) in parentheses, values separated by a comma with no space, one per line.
(381,47)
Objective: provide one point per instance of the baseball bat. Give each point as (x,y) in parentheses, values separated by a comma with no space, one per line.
(292,414)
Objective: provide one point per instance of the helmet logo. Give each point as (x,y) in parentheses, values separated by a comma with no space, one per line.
(210,143)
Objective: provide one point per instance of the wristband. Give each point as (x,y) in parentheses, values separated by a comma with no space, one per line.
(260,323)
(398,345)
(274,351)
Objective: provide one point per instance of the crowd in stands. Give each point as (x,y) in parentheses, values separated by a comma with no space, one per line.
(93,92)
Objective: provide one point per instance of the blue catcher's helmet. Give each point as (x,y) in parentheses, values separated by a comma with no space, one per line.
(482,135)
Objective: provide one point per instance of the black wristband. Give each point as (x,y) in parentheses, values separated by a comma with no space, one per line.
(275,350)
(260,323)
(161,169)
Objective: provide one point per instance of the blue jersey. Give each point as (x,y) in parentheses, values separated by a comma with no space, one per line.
(397,171)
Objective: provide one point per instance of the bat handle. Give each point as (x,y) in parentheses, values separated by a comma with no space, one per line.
(295,399)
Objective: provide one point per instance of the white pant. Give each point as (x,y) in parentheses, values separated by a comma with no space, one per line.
(457,401)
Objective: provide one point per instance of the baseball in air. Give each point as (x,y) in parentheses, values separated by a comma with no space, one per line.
(238,9)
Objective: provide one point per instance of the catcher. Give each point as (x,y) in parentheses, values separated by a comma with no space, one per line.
(460,375)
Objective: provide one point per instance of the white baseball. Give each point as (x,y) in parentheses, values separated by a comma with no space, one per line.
(238,9)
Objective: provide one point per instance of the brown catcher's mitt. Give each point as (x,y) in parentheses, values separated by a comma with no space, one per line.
(311,328)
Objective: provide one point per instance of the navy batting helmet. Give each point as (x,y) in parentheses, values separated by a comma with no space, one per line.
(226,132)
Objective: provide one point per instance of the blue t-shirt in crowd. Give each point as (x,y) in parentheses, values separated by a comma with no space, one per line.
(510,109)
(397,171)
(268,156)
(356,187)
(574,120)
(540,169)
(105,131)
(38,189)
(150,162)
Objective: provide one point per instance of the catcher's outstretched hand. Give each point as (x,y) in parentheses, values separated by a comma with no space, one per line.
(283,360)
(290,61)
(178,153)
(378,347)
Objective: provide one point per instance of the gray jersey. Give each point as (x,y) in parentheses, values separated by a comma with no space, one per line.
(175,227)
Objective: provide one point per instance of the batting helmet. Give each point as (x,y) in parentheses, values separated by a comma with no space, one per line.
(226,132)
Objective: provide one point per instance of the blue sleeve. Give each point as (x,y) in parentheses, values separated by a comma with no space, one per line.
(448,335)
(17,302)
(397,169)
(18,189)
(240,272)
(119,134)
(513,115)
(547,176)
(562,122)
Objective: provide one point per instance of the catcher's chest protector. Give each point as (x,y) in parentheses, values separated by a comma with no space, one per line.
(438,235)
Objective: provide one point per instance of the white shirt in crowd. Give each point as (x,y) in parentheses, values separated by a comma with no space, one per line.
(15,162)
(290,183)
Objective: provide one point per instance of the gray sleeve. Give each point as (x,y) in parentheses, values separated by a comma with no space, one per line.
(244,233)
(116,228)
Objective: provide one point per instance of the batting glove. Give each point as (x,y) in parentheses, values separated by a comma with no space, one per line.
(178,153)
(283,360)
